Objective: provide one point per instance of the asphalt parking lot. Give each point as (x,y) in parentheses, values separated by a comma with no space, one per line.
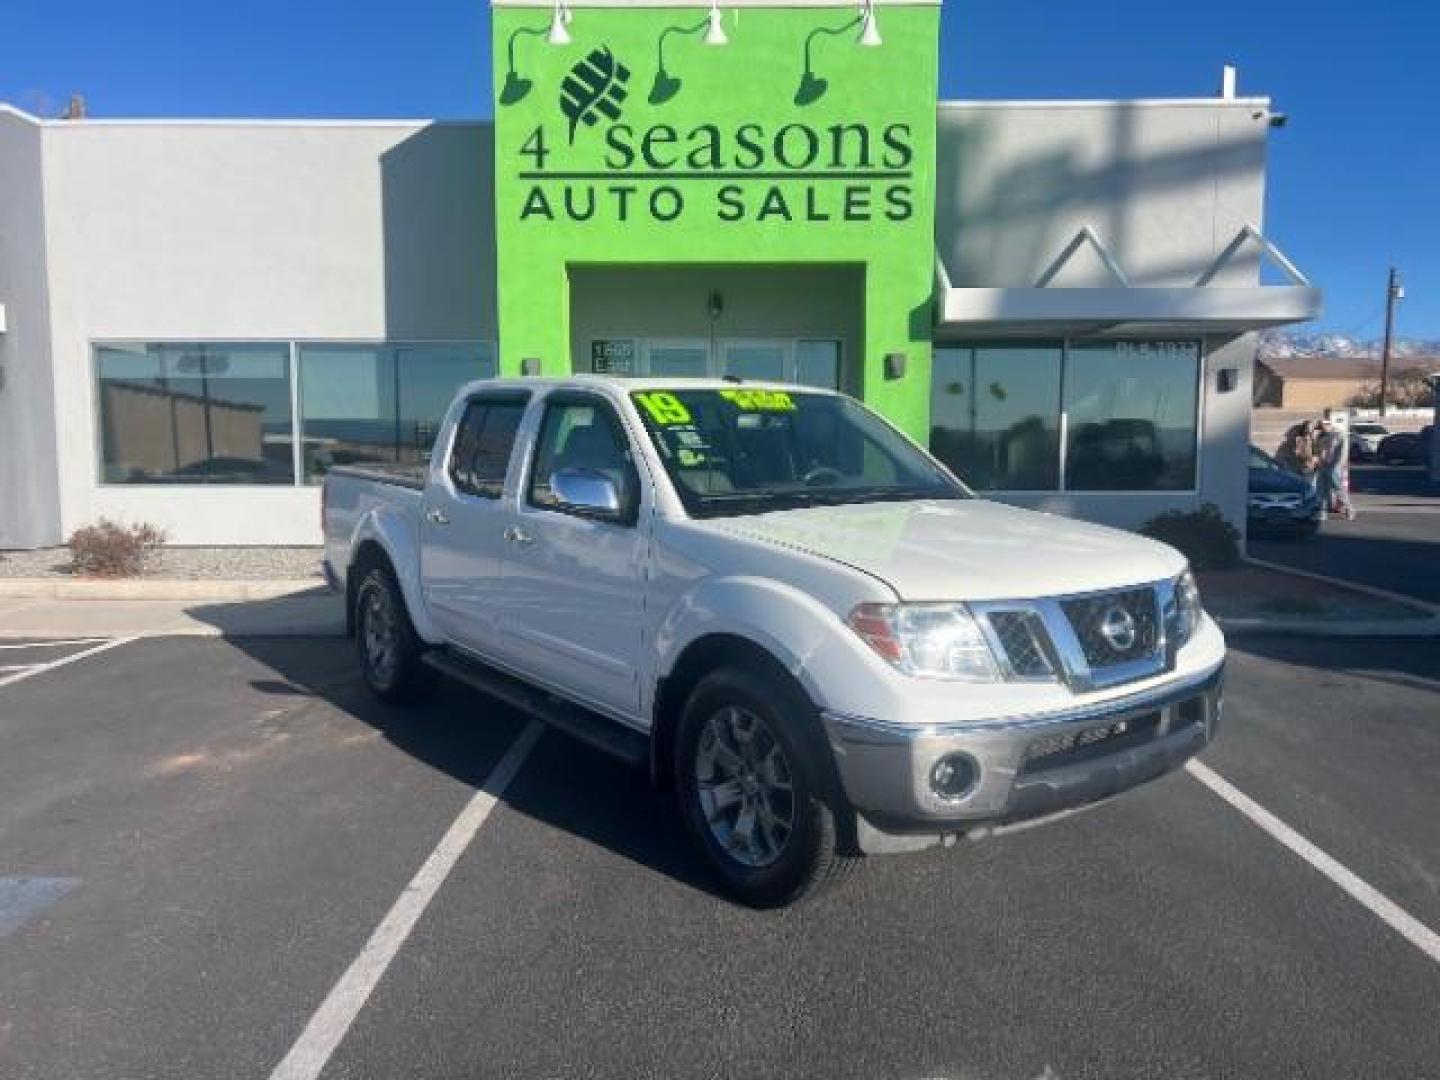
(1393,544)
(200,837)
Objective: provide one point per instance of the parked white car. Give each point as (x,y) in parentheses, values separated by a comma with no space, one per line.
(782,607)
(1365,439)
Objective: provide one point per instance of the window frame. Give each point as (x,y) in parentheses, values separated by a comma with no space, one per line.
(1067,345)
(628,516)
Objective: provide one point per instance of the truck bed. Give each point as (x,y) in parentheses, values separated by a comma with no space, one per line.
(410,476)
(391,492)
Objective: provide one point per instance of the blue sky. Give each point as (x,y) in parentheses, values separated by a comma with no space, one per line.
(1353,177)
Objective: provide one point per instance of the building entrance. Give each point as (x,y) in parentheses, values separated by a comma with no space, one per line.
(807,361)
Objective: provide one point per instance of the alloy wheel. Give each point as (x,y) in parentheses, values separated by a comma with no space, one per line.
(745,786)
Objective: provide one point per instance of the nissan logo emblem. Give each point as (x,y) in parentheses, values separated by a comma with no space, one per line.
(1117,626)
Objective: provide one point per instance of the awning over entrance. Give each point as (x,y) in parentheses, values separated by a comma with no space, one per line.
(1123,309)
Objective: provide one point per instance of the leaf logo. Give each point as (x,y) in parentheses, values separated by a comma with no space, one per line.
(595,87)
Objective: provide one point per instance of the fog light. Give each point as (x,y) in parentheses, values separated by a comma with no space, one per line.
(953,776)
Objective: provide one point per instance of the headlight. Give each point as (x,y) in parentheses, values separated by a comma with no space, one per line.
(1187,607)
(929,641)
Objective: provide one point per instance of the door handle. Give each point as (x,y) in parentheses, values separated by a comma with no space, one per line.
(518,536)
(436,516)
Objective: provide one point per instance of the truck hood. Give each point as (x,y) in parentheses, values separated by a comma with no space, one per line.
(968,549)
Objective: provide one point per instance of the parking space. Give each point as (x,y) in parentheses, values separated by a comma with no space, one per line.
(224,824)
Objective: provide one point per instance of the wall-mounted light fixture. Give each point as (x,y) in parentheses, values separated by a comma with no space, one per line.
(516,85)
(716,34)
(895,365)
(812,87)
(666,84)
(559,24)
(869,25)
(715,305)
(530,365)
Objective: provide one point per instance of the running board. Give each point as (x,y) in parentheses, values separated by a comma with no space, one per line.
(596,731)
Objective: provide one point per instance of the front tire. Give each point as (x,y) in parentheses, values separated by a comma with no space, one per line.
(390,651)
(751,788)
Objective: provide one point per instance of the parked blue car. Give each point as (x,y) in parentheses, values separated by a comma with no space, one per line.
(1280,501)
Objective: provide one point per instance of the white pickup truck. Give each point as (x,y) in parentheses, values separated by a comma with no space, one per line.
(782,607)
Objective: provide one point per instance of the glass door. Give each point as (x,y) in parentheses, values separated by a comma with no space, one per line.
(686,358)
(805,361)
(748,358)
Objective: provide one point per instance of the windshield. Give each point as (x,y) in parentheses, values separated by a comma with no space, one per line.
(749,450)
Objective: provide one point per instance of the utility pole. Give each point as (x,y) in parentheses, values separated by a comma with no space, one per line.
(1394,292)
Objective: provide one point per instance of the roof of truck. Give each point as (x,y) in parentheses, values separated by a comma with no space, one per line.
(624,383)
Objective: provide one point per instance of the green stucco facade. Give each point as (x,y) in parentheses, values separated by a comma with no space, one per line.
(637,144)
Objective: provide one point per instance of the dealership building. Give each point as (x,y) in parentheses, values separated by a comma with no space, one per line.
(1059,298)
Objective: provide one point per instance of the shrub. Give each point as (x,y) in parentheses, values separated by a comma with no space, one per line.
(108,549)
(1203,536)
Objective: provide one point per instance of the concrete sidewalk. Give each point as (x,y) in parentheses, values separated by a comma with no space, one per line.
(313,613)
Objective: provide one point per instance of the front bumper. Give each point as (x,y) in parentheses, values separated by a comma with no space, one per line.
(1023,767)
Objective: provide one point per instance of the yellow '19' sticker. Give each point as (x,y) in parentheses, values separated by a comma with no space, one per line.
(664,408)
(760,400)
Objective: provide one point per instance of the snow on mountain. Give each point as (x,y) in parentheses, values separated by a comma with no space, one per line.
(1278,344)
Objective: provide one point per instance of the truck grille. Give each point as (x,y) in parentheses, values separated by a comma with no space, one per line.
(1019,635)
(1115,628)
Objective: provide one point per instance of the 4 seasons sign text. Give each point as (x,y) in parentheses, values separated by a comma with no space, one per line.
(594,165)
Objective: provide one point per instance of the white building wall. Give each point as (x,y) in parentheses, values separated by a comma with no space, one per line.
(29,501)
(240,231)
(1165,185)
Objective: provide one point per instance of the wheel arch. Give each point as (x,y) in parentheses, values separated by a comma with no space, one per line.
(386,539)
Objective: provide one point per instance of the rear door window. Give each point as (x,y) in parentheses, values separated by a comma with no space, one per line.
(484,445)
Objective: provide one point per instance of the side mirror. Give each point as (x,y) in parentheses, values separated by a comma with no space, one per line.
(587,492)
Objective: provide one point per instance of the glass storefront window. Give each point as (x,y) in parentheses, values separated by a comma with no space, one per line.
(1128,410)
(1131,411)
(995,415)
(209,413)
(380,403)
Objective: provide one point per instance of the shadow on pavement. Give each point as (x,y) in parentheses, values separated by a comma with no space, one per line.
(463,733)
(1399,661)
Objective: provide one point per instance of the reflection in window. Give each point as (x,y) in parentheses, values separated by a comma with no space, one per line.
(995,416)
(760,361)
(817,363)
(1131,416)
(380,403)
(195,414)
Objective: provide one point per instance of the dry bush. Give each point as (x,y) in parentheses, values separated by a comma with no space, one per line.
(109,549)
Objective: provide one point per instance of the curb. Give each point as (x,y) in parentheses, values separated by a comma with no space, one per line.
(1334,628)
(1427,626)
(157,589)
(1384,594)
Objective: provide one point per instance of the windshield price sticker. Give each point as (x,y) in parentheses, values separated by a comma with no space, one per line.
(664,408)
(760,400)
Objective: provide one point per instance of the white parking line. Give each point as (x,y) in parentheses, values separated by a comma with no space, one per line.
(348,996)
(1374,901)
(51,644)
(40,669)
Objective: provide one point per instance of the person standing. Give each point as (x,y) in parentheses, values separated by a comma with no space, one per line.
(1298,451)
(1330,462)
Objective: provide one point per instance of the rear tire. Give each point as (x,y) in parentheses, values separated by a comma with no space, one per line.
(389,650)
(751,787)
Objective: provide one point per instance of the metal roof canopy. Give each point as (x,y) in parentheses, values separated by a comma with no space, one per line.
(1123,310)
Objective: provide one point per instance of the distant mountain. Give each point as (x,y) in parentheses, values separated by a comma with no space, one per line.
(1278,345)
